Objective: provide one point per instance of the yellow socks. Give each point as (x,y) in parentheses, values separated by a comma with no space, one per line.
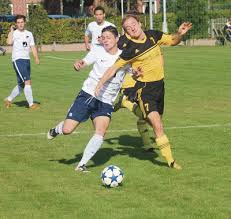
(137,111)
(142,127)
(127,104)
(165,149)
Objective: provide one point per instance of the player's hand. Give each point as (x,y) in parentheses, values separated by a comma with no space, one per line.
(79,65)
(88,47)
(184,28)
(100,40)
(12,28)
(137,73)
(98,88)
(37,61)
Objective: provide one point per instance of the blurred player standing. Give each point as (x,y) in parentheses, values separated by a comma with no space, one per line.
(94,29)
(22,40)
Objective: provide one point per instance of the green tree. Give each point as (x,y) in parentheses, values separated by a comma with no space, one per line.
(5,7)
(195,11)
(38,23)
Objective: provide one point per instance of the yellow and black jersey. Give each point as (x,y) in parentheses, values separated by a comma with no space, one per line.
(144,53)
(128,81)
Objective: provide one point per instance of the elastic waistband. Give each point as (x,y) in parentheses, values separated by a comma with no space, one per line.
(151,82)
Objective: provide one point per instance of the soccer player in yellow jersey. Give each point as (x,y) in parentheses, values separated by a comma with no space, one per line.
(142,50)
(128,100)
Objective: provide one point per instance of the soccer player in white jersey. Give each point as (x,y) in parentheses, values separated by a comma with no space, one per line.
(22,40)
(86,105)
(94,29)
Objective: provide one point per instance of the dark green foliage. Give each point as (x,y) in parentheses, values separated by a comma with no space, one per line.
(4,7)
(38,23)
(6,28)
(196,12)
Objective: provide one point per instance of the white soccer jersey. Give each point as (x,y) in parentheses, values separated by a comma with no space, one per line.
(22,41)
(94,30)
(101,61)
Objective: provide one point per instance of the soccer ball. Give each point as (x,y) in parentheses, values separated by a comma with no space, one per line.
(112,176)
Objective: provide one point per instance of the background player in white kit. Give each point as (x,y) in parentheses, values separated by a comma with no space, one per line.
(22,40)
(86,104)
(94,29)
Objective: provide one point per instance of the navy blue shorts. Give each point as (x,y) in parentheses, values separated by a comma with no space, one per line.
(86,106)
(22,69)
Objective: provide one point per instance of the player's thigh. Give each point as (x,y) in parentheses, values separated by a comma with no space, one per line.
(69,126)
(101,124)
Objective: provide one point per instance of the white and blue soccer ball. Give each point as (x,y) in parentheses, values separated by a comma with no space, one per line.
(112,176)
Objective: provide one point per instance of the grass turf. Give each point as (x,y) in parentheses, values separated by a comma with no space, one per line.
(37,178)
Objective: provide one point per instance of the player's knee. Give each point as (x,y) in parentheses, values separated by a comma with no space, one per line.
(27,82)
(100,132)
(67,130)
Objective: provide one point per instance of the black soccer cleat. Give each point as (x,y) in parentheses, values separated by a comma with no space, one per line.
(51,134)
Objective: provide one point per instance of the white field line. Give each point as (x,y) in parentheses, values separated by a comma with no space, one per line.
(126,130)
(59,58)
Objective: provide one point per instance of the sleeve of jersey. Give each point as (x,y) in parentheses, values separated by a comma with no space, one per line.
(120,63)
(166,39)
(90,58)
(32,40)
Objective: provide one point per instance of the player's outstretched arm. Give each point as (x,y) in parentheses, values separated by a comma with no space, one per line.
(35,54)
(183,29)
(107,75)
(86,42)
(79,64)
(9,40)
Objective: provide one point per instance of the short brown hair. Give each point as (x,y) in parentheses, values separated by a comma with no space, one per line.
(127,16)
(99,8)
(20,16)
(112,30)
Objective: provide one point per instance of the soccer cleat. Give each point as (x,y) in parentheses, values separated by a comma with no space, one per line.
(82,168)
(51,134)
(176,166)
(7,103)
(118,105)
(4,52)
(34,106)
(149,149)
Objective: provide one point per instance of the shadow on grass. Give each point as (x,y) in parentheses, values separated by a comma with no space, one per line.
(124,145)
(24,103)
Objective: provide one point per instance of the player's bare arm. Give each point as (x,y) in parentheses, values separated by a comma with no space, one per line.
(87,44)
(9,40)
(183,29)
(107,75)
(35,54)
(79,64)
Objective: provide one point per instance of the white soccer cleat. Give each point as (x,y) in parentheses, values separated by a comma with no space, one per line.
(82,168)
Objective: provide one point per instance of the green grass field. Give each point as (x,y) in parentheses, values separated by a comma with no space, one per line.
(37,177)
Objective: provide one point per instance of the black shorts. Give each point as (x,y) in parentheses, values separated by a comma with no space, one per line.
(130,93)
(150,96)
